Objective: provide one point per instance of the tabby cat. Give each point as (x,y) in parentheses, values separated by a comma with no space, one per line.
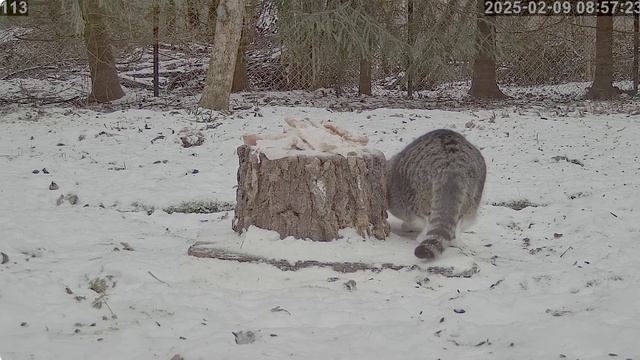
(433,185)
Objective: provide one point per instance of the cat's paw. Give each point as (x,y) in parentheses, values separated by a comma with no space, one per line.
(423,252)
(429,248)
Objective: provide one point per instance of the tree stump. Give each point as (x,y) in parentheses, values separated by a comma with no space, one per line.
(308,196)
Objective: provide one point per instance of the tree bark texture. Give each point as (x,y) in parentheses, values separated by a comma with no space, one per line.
(311,197)
(364,80)
(105,84)
(229,21)
(484,82)
(240,80)
(340,72)
(364,84)
(602,87)
(211,18)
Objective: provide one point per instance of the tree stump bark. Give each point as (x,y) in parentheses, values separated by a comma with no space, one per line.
(312,196)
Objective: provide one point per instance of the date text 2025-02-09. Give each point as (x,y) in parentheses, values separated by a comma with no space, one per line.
(561,7)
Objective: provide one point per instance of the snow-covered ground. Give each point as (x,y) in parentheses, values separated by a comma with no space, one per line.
(557,279)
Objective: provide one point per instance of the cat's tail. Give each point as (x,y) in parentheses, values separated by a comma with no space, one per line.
(446,205)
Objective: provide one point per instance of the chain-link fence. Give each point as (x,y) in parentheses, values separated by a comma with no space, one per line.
(308,45)
(554,56)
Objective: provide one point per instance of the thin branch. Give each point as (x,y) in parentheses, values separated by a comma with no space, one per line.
(203,250)
(155,277)
(49,67)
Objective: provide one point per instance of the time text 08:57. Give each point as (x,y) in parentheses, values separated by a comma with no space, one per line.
(562,7)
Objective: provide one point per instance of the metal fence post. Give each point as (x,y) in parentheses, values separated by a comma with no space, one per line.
(410,37)
(636,44)
(156,57)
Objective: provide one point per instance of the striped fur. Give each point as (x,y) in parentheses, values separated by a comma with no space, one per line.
(438,180)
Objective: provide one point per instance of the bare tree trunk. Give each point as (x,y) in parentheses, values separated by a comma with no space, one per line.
(388,21)
(240,77)
(223,55)
(341,67)
(484,83)
(105,84)
(602,87)
(240,81)
(311,197)
(364,85)
(211,23)
(364,75)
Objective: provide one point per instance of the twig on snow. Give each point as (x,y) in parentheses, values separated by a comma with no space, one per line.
(569,248)
(155,277)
